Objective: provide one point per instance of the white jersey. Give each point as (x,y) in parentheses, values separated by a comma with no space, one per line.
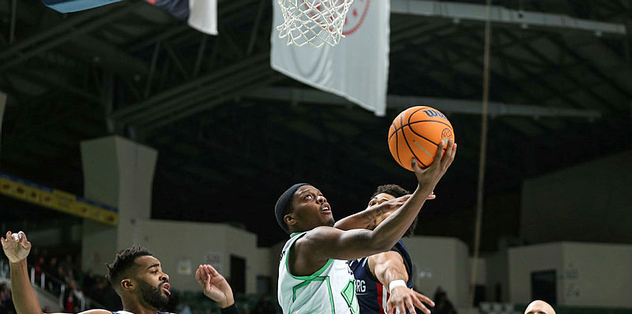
(330,290)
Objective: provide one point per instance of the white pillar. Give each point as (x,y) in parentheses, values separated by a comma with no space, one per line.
(119,173)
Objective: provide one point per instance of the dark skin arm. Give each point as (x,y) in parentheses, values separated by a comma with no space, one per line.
(373,215)
(312,250)
(370,217)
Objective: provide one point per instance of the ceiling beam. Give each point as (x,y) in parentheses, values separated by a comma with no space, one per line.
(298,95)
(503,16)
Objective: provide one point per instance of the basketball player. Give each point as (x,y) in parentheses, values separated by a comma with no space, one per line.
(137,277)
(384,281)
(539,307)
(313,273)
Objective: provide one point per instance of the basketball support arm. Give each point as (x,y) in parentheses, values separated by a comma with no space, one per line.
(446,105)
(458,12)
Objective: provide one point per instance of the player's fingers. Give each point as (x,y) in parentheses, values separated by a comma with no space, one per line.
(206,271)
(410,306)
(23,240)
(431,196)
(198,276)
(212,271)
(8,235)
(422,298)
(418,304)
(439,155)
(415,164)
(450,154)
(423,308)
(391,307)
(22,236)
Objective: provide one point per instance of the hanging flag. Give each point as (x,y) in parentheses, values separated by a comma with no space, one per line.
(356,68)
(203,16)
(199,14)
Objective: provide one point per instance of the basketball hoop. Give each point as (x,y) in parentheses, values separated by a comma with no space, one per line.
(316,22)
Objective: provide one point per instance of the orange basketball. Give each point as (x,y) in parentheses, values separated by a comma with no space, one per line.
(417,132)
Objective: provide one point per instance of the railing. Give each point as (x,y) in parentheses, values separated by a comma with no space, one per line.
(48,283)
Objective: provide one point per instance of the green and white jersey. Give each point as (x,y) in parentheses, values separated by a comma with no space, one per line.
(329,290)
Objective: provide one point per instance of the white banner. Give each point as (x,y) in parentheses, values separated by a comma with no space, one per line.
(356,68)
(203,16)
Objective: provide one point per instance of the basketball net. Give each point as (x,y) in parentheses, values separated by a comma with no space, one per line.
(316,22)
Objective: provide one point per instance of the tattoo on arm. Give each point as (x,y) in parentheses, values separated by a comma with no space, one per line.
(371,220)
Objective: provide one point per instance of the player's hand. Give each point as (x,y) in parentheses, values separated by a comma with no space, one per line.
(404,298)
(429,177)
(215,285)
(16,247)
(382,210)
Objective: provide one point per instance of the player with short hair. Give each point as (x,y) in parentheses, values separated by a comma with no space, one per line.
(313,273)
(384,281)
(136,275)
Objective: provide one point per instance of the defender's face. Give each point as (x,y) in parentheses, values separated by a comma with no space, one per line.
(379,199)
(311,209)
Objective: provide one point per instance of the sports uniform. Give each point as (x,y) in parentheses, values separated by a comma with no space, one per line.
(330,289)
(372,295)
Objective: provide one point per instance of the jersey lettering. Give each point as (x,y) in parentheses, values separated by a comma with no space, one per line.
(360,286)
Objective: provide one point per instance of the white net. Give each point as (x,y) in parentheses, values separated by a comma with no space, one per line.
(316,22)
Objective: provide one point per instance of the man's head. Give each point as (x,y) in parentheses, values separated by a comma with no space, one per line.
(302,207)
(135,272)
(388,192)
(539,307)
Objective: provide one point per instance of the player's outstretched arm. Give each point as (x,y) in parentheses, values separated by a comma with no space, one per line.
(389,269)
(17,247)
(322,243)
(373,215)
(370,217)
(215,285)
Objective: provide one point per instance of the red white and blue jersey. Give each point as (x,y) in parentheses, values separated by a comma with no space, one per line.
(372,295)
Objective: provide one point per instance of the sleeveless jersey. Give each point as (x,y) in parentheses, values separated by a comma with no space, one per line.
(330,290)
(372,295)
(126,312)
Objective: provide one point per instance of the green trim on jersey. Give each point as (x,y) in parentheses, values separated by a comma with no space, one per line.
(348,293)
(332,283)
(310,277)
(305,283)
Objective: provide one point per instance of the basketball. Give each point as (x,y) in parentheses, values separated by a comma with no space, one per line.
(418,132)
